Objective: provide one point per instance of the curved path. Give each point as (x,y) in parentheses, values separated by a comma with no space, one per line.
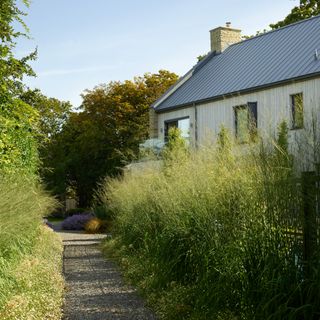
(94,288)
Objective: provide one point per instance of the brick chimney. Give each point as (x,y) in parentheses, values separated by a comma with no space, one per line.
(222,37)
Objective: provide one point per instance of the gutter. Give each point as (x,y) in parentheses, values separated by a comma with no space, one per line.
(195,124)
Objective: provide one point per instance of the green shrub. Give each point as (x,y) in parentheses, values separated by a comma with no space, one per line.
(18,145)
(215,234)
(102,212)
(74,211)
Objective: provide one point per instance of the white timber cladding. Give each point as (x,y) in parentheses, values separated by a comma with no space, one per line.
(273,106)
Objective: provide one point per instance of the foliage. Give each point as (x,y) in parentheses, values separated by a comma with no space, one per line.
(176,148)
(18,148)
(97,141)
(94,225)
(30,258)
(102,212)
(76,222)
(201,57)
(52,116)
(216,236)
(18,120)
(36,284)
(23,203)
(306,9)
(12,69)
(175,140)
(74,211)
(224,142)
(53,113)
(282,154)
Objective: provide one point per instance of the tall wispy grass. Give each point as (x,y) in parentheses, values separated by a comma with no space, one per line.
(216,234)
(22,206)
(29,256)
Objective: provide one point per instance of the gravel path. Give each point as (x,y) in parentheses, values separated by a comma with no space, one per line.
(95,290)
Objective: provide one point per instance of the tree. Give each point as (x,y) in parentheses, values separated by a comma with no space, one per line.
(105,134)
(18,121)
(306,9)
(201,57)
(53,113)
(12,69)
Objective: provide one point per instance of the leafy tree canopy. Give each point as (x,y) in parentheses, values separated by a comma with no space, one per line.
(18,121)
(112,120)
(12,69)
(53,113)
(306,9)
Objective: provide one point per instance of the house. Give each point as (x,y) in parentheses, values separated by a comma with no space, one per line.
(246,85)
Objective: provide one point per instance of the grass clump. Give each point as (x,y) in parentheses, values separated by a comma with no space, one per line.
(94,225)
(30,254)
(37,289)
(216,233)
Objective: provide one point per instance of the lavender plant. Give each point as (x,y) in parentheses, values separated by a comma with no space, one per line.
(76,222)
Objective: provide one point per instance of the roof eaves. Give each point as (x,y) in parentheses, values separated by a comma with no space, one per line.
(236,93)
(183,79)
(172,89)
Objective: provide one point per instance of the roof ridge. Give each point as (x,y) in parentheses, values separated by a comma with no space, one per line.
(276,30)
(234,72)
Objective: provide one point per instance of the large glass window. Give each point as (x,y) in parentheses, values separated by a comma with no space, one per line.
(183,124)
(246,117)
(297,110)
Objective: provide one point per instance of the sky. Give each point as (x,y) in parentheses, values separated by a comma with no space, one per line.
(84,43)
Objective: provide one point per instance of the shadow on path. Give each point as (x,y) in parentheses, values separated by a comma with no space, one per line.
(94,288)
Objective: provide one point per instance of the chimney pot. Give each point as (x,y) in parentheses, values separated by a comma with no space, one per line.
(228,24)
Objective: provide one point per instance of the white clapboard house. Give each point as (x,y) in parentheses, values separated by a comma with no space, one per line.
(242,84)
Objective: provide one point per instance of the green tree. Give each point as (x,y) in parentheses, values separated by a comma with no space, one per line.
(306,9)
(12,69)
(53,113)
(18,121)
(105,134)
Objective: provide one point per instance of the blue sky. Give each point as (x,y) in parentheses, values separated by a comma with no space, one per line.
(83,43)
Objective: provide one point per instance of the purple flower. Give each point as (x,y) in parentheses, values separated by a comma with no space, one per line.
(76,222)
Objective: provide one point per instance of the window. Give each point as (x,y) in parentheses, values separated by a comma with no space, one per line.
(246,117)
(297,110)
(183,124)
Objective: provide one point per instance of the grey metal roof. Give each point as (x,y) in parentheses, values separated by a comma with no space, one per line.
(280,55)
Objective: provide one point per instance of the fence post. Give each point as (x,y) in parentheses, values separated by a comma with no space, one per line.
(309,190)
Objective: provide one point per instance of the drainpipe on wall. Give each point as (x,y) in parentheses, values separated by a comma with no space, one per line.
(195,125)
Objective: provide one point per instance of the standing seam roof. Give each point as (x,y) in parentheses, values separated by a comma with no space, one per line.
(275,56)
